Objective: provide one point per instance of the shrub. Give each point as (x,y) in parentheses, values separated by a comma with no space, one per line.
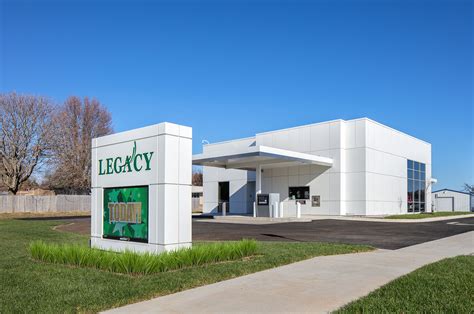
(130,262)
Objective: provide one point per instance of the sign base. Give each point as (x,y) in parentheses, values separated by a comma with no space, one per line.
(121,246)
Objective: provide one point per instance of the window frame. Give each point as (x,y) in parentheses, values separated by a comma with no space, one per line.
(292,193)
(416,186)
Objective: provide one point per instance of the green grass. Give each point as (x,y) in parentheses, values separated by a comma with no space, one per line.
(427,215)
(446,286)
(142,264)
(27,285)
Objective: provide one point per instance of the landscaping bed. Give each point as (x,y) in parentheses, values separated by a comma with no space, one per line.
(29,285)
(133,263)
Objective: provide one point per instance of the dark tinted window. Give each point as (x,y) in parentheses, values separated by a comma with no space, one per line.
(299,192)
(416,182)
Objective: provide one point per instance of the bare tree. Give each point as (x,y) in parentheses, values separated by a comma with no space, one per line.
(197,178)
(25,137)
(78,121)
(469,188)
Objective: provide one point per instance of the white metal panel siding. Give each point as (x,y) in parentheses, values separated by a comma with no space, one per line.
(445,204)
(387,151)
(324,139)
(461,201)
(237,188)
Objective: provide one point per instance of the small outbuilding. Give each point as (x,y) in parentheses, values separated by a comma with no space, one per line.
(447,200)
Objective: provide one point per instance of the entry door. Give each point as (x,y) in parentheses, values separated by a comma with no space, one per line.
(250,196)
(223,196)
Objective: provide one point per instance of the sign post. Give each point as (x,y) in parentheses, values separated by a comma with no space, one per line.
(141,189)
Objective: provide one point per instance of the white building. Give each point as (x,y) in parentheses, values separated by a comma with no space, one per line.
(447,200)
(354,167)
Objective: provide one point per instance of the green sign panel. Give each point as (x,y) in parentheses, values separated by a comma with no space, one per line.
(126,213)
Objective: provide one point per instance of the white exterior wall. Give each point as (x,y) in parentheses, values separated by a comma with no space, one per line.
(460,201)
(369,175)
(387,151)
(322,139)
(240,191)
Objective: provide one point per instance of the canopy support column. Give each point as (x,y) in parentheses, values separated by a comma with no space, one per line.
(258,183)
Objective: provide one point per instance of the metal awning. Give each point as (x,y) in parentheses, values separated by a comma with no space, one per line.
(249,158)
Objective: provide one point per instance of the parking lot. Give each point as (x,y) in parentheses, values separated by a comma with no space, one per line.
(384,235)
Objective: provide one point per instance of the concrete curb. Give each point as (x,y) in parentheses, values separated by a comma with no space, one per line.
(308,218)
(373,219)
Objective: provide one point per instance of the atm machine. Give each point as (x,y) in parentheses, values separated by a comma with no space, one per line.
(267,205)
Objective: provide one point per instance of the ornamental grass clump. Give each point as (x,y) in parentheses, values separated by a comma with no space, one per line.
(130,262)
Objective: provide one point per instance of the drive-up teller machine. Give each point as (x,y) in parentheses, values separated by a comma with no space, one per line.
(267,205)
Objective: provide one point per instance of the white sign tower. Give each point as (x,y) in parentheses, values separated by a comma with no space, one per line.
(141,189)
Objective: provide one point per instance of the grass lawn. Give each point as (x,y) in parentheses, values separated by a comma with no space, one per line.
(427,215)
(32,286)
(443,287)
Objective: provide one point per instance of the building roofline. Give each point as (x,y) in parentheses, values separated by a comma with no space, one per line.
(230,141)
(301,126)
(450,190)
(393,129)
(342,120)
(321,123)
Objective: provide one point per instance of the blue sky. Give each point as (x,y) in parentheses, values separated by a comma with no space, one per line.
(231,69)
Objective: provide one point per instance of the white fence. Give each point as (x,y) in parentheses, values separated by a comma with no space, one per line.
(50,203)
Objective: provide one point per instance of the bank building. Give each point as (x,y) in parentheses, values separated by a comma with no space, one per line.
(339,167)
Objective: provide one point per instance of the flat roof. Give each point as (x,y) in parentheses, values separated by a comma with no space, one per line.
(320,123)
(248,158)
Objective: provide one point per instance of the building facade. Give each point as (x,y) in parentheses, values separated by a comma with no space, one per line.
(353,167)
(447,200)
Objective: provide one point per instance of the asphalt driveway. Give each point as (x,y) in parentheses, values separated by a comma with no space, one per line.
(384,235)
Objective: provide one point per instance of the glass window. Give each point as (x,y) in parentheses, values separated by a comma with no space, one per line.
(416,180)
(299,192)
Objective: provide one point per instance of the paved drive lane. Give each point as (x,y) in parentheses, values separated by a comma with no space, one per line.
(384,235)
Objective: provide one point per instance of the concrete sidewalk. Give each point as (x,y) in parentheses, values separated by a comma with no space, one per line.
(320,284)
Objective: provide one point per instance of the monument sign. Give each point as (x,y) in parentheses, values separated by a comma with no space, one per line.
(141,189)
